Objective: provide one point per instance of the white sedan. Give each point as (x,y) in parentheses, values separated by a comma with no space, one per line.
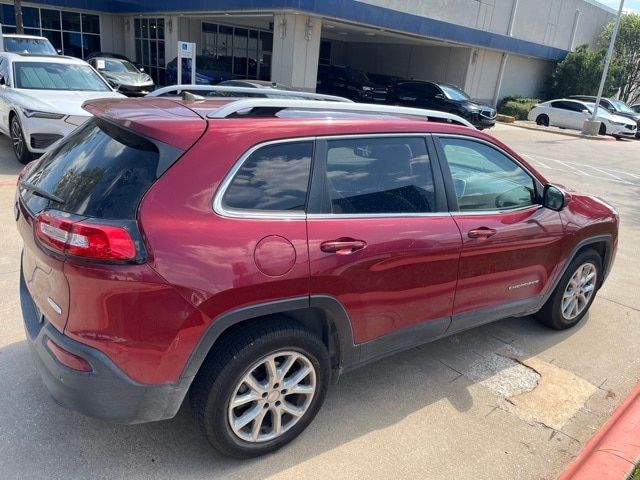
(568,113)
(41,99)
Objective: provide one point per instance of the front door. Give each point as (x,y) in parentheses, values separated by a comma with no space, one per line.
(380,239)
(510,242)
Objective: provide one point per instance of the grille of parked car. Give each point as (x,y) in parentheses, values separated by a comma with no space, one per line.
(488,113)
(43,140)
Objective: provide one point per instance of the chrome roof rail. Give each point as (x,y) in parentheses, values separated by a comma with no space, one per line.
(244,106)
(243,91)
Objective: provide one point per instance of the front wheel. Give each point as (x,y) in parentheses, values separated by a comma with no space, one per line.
(575,292)
(542,120)
(20,149)
(261,389)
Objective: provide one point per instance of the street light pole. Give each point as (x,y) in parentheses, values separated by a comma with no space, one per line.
(607,61)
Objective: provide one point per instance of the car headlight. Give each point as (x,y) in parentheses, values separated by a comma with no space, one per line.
(473,108)
(39,114)
(367,89)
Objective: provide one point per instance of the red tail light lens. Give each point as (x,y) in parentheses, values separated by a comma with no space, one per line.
(65,234)
(68,359)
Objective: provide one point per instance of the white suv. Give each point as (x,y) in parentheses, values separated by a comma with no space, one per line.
(15,43)
(569,113)
(41,99)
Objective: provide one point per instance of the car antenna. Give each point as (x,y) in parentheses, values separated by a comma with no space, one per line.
(191,97)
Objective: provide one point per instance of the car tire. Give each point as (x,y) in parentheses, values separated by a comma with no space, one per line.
(603,129)
(575,292)
(542,120)
(242,360)
(20,149)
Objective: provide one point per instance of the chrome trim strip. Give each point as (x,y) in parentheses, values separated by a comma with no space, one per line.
(470,213)
(254,214)
(334,216)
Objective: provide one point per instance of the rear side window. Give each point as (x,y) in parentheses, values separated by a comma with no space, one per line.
(273,178)
(100,170)
(379,175)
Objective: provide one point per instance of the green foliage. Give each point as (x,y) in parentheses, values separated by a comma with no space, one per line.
(580,74)
(517,106)
(627,54)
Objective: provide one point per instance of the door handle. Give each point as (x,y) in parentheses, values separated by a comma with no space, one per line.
(342,246)
(481,233)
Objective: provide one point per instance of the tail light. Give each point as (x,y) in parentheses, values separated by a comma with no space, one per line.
(73,236)
(67,358)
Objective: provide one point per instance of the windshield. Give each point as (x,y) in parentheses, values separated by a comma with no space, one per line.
(57,76)
(357,76)
(115,65)
(454,93)
(41,46)
(603,112)
(622,107)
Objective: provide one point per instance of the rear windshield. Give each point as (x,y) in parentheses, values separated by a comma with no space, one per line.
(100,170)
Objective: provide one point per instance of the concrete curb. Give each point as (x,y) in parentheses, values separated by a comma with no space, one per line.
(601,138)
(614,450)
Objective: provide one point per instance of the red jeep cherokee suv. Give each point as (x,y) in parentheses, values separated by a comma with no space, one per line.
(247,252)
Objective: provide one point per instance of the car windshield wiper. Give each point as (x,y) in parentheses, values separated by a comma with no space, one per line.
(41,192)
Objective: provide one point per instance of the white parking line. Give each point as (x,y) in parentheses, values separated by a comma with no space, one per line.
(574,167)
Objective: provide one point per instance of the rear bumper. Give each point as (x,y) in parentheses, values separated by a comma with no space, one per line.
(105,393)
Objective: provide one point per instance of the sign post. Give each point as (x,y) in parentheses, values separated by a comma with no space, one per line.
(186,50)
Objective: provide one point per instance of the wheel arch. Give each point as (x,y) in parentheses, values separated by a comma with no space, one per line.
(323,315)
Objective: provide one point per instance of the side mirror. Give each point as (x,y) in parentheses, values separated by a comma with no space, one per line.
(553,198)
(59,50)
(141,69)
(3,82)
(586,111)
(439,96)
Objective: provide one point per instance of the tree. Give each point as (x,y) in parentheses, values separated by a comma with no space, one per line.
(627,54)
(17,4)
(580,73)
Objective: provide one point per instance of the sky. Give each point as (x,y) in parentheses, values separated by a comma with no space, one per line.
(629,5)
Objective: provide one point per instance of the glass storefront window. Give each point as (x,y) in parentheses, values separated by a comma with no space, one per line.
(149,33)
(74,33)
(245,52)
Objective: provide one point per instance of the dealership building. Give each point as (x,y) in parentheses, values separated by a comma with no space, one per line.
(490,48)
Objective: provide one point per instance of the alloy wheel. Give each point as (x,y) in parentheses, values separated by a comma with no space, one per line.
(579,290)
(272,396)
(17,138)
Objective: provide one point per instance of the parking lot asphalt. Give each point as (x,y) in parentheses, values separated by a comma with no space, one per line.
(511,400)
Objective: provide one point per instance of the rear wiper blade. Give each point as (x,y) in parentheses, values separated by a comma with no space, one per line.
(41,192)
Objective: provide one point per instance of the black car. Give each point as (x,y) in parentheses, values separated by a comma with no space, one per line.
(617,107)
(350,83)
(445,98)
(123,76)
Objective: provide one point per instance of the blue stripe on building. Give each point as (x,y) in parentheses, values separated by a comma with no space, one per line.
(349,10)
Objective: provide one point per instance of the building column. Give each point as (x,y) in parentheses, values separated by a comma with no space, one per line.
(296,50)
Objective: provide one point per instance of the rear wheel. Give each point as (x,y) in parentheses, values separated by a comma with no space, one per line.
(575,292)
(262,389)
(542,120)
(20,149)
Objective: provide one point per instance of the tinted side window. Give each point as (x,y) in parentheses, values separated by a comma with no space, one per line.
(560,105)
(273,178)
(486,179)
(431,90)
(576,107)
(379,175)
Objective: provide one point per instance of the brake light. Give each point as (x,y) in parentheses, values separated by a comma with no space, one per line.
(63,233)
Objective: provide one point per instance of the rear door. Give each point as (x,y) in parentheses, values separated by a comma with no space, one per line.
(510,242)
(380,238)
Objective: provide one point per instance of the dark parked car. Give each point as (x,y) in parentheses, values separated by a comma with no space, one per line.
(386,80)
(123,75)
(445,98)
(349,83)
(617,107)
(246,255)
(209,71)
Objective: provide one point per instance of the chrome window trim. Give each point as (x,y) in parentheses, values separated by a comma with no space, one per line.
(537,183)
(470,213)
(218,206)
(334,216)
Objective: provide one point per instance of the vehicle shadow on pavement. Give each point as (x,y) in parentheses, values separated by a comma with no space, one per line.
(39,439)
(8,163)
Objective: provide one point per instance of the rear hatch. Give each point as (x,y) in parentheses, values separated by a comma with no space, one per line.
(79,202)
